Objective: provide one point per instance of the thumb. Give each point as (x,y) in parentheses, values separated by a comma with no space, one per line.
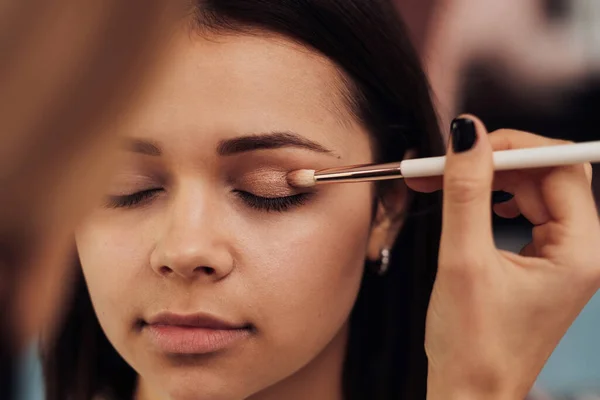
(468,175)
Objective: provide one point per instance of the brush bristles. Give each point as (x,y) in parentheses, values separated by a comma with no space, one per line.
(303,178)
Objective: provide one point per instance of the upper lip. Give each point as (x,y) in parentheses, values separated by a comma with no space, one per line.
(198,320)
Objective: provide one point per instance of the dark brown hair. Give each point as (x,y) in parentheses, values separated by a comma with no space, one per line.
(385,356)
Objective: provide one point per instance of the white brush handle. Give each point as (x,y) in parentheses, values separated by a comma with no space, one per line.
(535,157)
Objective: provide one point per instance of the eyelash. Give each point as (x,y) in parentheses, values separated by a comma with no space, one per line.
(277,204)
(267,204)
(132,200)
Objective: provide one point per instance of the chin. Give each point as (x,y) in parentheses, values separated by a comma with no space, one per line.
(200,384)
(202,394)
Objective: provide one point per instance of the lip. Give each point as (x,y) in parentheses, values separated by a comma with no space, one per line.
(193,333)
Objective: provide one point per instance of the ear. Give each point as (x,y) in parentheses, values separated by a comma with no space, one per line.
(389,217)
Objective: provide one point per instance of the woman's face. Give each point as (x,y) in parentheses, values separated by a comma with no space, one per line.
(200,224)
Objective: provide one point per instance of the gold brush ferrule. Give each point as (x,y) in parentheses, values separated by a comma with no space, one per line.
(359,173)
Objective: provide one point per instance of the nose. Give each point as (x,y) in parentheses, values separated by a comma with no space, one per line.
(194,244)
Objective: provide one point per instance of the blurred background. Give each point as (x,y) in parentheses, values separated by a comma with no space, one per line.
(532,65)
(524,64)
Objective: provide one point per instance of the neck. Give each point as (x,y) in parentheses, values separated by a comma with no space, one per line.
(321,379)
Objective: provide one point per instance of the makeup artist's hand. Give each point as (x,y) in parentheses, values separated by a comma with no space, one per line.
(495,316)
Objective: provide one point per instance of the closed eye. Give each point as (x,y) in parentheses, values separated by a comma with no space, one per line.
(268,204)
(132,200)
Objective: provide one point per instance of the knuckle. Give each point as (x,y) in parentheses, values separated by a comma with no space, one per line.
(503,132)
(501,138)
(465,189)
(583,170)
(580,258)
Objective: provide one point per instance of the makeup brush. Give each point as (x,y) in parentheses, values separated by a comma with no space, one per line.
(535,157)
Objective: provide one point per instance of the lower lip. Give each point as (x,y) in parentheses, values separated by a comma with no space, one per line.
(193,340)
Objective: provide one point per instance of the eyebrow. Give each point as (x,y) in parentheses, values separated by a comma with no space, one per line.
(242,144)
(268,141)
(144,147)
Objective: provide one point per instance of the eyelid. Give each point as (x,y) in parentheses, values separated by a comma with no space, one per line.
(128,182)
(267,183)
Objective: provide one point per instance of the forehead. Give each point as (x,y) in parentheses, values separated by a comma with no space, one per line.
(230,84)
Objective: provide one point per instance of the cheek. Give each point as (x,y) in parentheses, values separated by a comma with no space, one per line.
(298,273)
(308,265)
(112,258)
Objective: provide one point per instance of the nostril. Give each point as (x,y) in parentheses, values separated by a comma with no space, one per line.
(165,270)
(206,270)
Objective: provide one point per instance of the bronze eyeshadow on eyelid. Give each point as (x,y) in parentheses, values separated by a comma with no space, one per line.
(267,183)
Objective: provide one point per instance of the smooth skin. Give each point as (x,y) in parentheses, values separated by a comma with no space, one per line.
(196,245)
(495,316)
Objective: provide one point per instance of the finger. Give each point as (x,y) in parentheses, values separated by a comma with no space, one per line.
(529,250)
(563,192)
(589,172)
(468,175)
(500,196)
(530,200)
(425,185)
(508,209)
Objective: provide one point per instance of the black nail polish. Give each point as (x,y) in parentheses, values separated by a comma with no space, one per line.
(463,134)
(500,196)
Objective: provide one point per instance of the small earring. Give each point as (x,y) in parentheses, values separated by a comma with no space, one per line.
(384,263)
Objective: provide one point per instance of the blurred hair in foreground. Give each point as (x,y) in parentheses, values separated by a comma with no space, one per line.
(67,68)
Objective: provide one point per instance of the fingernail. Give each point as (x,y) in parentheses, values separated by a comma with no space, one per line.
(463,134)
(500,196)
